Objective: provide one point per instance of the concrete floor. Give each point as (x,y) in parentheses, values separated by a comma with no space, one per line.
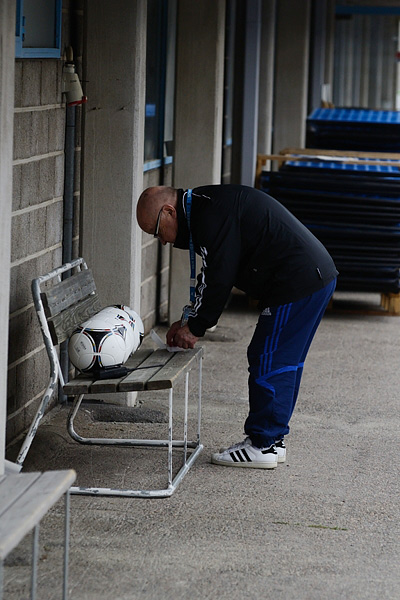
(324,525)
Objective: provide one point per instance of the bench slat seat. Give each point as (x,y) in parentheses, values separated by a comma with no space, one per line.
(24,500)
(179,364)
(113,385)
(156,370)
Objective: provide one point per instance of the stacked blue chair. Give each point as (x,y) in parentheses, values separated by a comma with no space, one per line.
(354,129)
(355,212)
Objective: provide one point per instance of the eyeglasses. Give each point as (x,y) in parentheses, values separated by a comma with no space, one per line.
(158,223)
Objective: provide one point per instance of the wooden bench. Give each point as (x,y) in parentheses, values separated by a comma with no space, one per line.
(61,305)
(24,500)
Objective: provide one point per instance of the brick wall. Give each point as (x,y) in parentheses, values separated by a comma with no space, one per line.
(38,187)
(37,220)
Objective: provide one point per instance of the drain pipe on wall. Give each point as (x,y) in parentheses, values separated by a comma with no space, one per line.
(68,221)
(74,96)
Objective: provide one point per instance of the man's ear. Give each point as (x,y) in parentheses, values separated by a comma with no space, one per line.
(170,210)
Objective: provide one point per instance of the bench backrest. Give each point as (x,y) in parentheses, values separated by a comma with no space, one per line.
(65,304)
(61,305)
(69,303)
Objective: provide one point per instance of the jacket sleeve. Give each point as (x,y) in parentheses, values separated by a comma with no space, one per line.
(220,254)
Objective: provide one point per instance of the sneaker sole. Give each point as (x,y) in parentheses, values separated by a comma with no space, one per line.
(281,459)
(244,465)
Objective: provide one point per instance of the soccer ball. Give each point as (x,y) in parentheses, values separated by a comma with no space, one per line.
(106,340)
(136,324)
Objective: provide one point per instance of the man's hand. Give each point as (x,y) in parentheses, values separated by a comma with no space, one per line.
(181,336)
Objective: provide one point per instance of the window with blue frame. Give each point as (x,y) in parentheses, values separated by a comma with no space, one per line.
(160,74)
(38,29)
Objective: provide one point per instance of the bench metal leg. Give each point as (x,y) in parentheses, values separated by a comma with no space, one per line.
(55,369)
(37,419)
(200,360)
(170,444)
(1,578)
(170,404)
(66,545)
(115,441)
(185,424)
(35,550)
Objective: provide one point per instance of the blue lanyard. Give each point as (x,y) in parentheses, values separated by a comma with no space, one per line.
(191,248)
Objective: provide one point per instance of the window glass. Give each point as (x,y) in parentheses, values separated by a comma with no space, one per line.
(38,28)
(153,83)
(160,81)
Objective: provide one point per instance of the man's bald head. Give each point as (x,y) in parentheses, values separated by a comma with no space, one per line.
(150,203)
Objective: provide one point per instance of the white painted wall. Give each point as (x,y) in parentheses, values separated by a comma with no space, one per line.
(114,72)
(115,76)
(7,52)
(198,116)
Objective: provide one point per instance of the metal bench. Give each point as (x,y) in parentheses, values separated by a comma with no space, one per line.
(24,500)
(60,308)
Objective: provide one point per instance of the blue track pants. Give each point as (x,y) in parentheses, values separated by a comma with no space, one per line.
(276,356)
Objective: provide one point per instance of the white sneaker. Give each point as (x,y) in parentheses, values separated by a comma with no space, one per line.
(244,454)
(281,450)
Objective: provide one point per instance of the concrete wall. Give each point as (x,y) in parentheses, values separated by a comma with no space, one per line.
(37,216)
(114,70)
(198,115)
(291,73)
(251,77)
(112,175)
(7,28)
(266,84)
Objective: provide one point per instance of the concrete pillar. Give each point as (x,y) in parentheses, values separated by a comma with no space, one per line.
(330,45)
(317,58)
(291,73)
(357,60)
(348,63)
(250,91)
(376,54)
(266,84)
(322,52)
(341,50)
(365,64)
(198,115)
(7,60)
(112,177)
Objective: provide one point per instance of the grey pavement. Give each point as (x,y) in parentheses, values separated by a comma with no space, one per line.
(323,525)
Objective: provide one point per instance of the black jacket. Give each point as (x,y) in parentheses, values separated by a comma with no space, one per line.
(247,239)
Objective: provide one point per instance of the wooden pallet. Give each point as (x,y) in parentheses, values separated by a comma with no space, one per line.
(305,154)
(389,306)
